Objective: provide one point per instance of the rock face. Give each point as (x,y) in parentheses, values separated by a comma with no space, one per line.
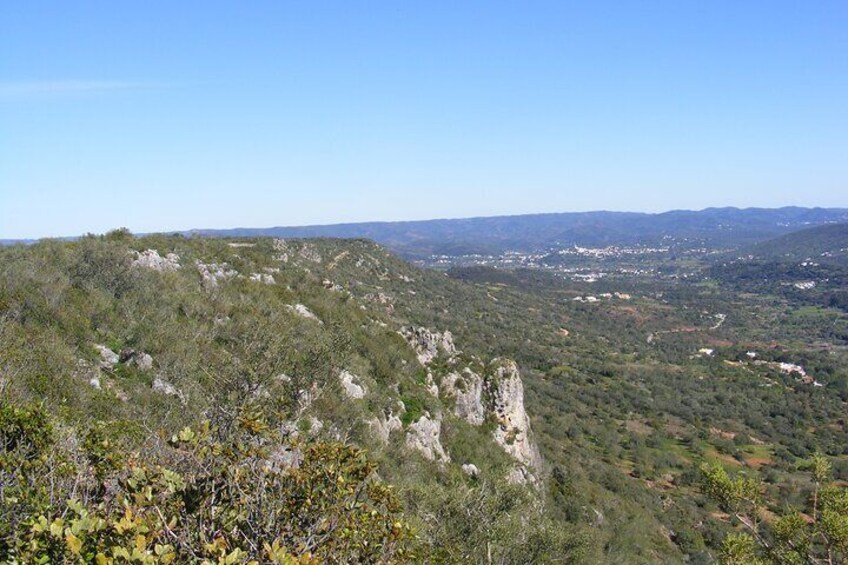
(304,312)
(428,344)
(424,436)
(150,259)
(143,361)
(505,392)
(519,475)
(383,427)
(467,391)
(351,385)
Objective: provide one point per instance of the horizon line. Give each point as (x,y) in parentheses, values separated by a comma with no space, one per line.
(13,240)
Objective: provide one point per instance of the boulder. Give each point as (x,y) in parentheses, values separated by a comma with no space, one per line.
(108,358)
(262,278)
(162,386)
(351,385)
(382,428)
(471,470)
(138,359)
(143,362)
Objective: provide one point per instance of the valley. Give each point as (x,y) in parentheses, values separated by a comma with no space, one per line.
(597,397)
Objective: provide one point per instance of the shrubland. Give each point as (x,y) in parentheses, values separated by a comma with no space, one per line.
(241,443)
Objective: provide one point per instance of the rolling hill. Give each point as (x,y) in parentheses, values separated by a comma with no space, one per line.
(713,227)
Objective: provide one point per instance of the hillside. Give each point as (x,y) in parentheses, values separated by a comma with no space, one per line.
(539,418)
(810,266)
(141,338)
(822,244)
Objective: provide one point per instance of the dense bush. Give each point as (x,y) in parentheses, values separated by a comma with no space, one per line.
(252,496)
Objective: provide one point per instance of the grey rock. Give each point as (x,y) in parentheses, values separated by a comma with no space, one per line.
(162,386)
(424,436)
(143,362)
(213,273)
(467,391)
(382,428)
(108,358)
(351,385)
(471,470)
(506,393)
(138,359)
(262,278)
(150,259)
(303,312)
(428,344)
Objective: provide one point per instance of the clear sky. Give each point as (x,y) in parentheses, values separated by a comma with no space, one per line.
(176,114)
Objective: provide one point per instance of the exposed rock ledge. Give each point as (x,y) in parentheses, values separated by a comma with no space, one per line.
(424,436)
(150,259)
(382,428)
(467,391)
(428,344)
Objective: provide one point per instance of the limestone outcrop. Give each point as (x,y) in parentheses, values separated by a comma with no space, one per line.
(138,359)
(150,259)
(263,278)
(383,427)
(424,436)
(467,391)
(162,386)
(471,470)
(505,393)
(429,344)
(213,273)
(304,312)
(351,385)
(108,358)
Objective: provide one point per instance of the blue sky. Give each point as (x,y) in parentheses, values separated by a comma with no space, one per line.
(175,115)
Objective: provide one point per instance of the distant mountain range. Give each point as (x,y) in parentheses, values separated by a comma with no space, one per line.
(712,227)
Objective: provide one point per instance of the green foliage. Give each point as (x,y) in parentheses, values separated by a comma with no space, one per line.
(494,522)
(101,265)
(238,499)
(414,409)
(791,538)
(625,422)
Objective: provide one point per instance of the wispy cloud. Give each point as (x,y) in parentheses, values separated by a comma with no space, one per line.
(61,87)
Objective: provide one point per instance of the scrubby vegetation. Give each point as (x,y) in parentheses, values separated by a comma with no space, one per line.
(237,439)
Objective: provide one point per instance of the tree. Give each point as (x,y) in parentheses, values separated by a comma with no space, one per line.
(820,536)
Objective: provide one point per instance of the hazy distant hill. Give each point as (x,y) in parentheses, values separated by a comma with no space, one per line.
(827,244)
(715,227)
